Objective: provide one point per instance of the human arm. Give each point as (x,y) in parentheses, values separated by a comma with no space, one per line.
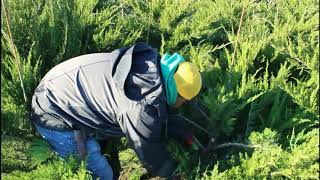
(176,128)
(143,131)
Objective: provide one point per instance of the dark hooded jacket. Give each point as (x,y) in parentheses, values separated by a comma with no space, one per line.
(115,94)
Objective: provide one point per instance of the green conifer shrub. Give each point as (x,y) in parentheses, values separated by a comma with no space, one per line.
(260,88)
(270,160)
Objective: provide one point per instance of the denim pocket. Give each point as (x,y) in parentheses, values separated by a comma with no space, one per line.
(46,134)
(62,143)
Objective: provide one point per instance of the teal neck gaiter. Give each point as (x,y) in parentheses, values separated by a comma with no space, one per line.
(168,66)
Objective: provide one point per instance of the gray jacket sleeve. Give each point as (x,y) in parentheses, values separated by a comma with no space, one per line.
(144,135)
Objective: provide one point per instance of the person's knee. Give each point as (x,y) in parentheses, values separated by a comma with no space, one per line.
(93,146)
(96,162)
(100,168)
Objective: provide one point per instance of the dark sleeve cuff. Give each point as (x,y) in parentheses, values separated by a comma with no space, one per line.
(177,130)
(167,169)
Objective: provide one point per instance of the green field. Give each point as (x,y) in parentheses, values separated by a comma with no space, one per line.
(259,61)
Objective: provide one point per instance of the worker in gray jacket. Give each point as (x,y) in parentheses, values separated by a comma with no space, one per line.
(125,93)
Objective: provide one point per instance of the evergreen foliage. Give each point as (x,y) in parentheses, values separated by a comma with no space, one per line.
(268,98)
(54,169)
(270,160)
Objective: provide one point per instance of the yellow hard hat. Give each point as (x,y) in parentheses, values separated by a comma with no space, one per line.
(188,80)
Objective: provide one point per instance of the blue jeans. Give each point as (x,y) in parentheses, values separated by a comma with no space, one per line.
(64,144)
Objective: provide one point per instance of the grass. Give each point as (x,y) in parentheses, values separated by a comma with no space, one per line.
(13,154)
(16,164)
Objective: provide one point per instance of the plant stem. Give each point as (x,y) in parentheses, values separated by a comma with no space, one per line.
(232,144)
(149,19)
(238,32)
(198,142)
(246,146)
(14,51)
(195,124)
(204,114)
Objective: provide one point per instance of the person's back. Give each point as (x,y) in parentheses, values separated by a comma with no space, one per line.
(72,90)
(82,90)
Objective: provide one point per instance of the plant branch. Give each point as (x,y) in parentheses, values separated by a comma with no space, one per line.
(199,143)
(195,124)
(196,105)
(232,144)
(241,145)
(300,62)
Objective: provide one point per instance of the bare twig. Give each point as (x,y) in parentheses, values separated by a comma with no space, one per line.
(196,105)
(211,147)
(122,9)
(300,62)
(245,146)
(222,46)
(195,124)
(238,32)
(14,51)
(199,143)
(232,144)
(203,113)
(149,19)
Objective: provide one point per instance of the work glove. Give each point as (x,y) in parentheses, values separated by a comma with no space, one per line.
(188,139)
(189,142)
